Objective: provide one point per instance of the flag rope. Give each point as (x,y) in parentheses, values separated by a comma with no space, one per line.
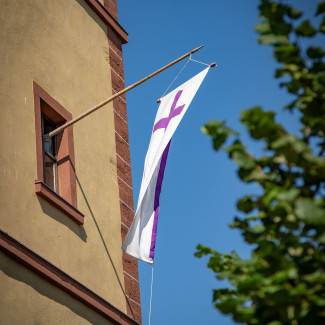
(176,76)
(151,294)
(190,59)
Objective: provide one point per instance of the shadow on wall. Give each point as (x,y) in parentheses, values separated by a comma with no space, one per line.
(22,274)
(104,244)
(92,14)
(59,216)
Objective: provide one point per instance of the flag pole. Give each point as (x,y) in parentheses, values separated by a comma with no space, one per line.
(123,91)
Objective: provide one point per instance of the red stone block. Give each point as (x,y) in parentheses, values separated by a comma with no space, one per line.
(120,107)
(131,288)
(130,265)
(127,215)
(111,7)
(121,127)
(122,148)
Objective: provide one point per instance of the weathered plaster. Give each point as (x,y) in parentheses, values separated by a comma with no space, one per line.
(61,45)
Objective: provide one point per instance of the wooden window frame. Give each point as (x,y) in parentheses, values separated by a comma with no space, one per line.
(66,198)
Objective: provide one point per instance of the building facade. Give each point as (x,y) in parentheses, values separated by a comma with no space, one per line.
(66,202)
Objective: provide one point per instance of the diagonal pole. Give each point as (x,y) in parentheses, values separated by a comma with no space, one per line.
(123,91)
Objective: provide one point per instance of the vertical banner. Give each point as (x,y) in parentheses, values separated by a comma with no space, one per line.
(141,238)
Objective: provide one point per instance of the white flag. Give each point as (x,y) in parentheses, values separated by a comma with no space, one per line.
(141,238)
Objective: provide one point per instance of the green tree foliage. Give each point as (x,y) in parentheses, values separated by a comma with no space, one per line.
(284,280)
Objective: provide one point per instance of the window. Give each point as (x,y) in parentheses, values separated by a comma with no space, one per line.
(56,179)
(50,155)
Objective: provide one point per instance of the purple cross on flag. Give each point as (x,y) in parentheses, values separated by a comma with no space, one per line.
(141,239)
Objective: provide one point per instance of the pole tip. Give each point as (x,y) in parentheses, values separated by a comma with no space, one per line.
(158,101)
(213,64)
(198,48)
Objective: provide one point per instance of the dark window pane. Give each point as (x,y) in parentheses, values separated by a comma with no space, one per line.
(49,144)
(49,172)
(49,155)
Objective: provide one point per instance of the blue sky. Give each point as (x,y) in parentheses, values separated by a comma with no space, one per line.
(201,186)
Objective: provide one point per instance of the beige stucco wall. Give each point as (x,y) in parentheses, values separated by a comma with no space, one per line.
(62,45)
(28,299)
